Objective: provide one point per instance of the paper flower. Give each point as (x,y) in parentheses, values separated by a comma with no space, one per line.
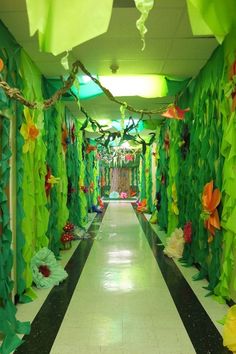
(133,193)
(175,112)
(68,227)
(66,239)
(100,202)
(188,232)
(229,332)
(1,65)
(123,195)
(142,206)
(210,201)
(84,189)
(175,244)
(90,148)
(29,131)
(50,180)
(45,269)
(129,157)
(114,195)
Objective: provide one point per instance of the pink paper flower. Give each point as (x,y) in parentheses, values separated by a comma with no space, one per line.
(123,195)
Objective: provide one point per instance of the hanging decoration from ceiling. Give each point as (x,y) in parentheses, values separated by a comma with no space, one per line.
(144,6)
(57,34)
(212,17)
(16,94)
(119,158)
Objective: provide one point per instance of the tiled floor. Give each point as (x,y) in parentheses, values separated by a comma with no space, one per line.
(121,303)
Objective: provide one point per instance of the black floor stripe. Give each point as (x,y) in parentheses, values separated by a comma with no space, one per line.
(201,330)
(47,322)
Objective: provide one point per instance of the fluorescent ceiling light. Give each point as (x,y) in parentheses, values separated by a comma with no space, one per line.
(148,86)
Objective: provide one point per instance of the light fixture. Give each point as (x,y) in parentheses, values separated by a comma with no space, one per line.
(149,86)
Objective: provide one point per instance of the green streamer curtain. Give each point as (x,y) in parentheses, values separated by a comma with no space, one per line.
(35,220)
(226,287)
(148,178)
(162,174)
(173,211)
(9,326)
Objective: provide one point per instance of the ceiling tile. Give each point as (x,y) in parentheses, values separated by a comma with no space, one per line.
(194,48)
(17,23)
(109,49)
(183,68)
(12,6)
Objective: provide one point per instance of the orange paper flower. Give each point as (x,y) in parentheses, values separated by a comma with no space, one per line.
(142,206)
(210,200)
(29,131)
(175,112)
(90,148)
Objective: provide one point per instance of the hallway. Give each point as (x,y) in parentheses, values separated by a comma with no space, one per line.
(121,303)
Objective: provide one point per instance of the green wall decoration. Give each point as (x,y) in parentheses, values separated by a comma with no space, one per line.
(9,325)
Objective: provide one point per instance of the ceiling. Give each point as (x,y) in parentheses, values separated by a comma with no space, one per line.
(170,49)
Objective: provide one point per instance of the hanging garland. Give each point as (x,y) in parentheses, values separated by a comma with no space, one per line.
(16,94)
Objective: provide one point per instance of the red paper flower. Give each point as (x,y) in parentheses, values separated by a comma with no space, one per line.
(68,227)
(188,232)
(129,157)
(44,270)
(175,112)
(66,237)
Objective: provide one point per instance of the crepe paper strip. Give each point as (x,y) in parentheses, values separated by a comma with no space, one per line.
(175,112)
(46,258)
(210,200)
(65,140)
(230,87)
(9,326)
(174,204)
(175,244)
(65,61)
(78,22)
(154,217)
(122,112)
(229,331)
(144,6)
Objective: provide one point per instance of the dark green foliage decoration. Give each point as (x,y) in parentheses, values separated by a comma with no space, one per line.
(202,164)
(9,326)
(53,232)
(162,175)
